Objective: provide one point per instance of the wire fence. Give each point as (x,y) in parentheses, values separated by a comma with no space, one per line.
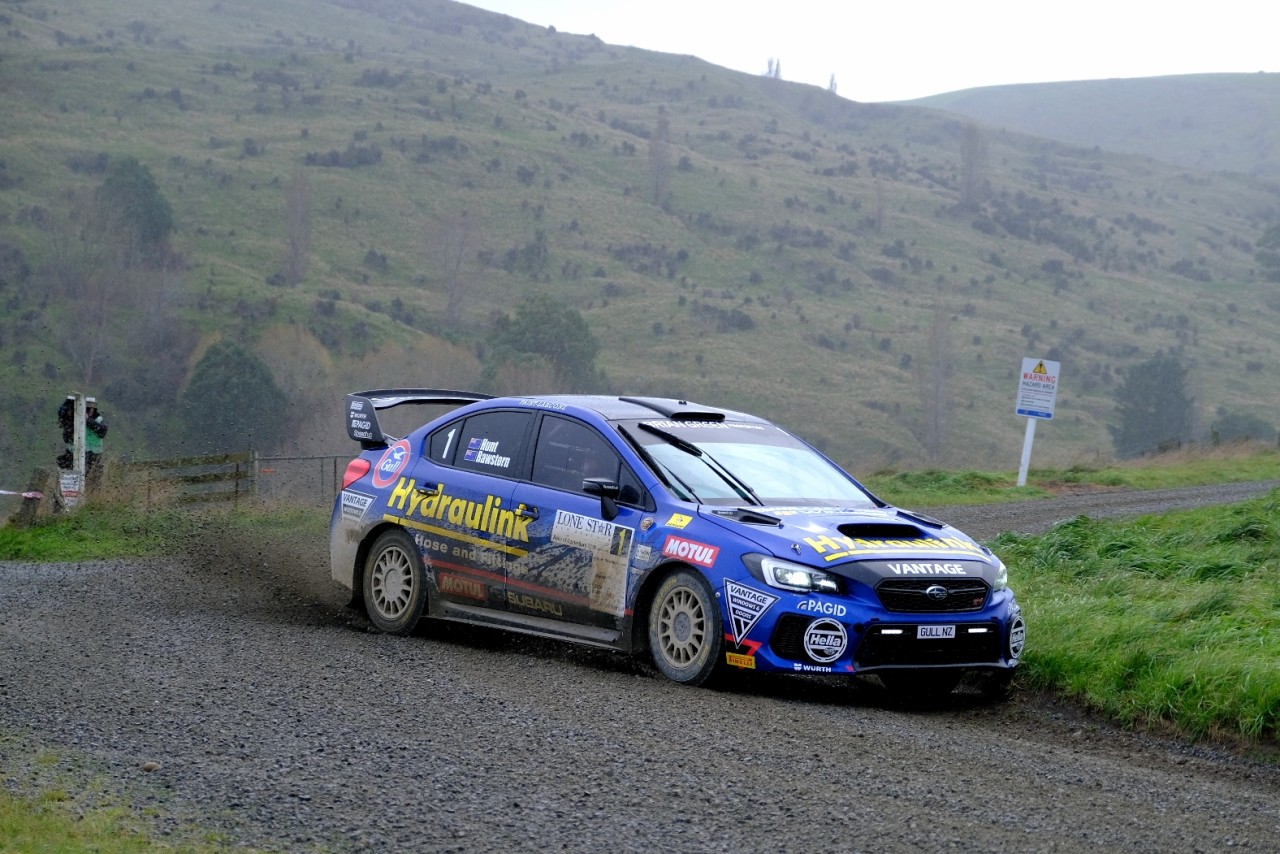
(300,480)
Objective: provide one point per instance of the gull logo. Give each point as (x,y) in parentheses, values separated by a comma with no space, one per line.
(391,464)
(936,592)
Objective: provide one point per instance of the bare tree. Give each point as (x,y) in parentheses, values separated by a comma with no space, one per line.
(86,268)
(831,85)
(774,71)
(298,225)
(933,381)
(973,168)
(660,156)
(451,239)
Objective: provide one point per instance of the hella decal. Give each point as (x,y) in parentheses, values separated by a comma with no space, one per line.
(825,640)
(694,552)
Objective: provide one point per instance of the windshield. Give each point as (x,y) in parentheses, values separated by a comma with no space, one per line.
(734,463)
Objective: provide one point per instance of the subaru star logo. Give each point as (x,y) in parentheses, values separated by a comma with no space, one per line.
(936,592)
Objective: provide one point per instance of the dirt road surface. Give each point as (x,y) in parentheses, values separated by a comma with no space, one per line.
(230,690)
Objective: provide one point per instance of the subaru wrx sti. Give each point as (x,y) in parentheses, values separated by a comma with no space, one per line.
(705,539)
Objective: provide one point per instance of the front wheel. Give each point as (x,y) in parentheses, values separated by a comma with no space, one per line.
(395,587)
(686,636)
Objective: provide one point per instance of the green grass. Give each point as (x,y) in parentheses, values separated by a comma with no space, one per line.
(1238,464)
(1164,620)
(94,532)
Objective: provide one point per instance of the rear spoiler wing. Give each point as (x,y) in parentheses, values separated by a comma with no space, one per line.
(363,406)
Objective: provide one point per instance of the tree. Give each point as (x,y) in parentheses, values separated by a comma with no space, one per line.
(933,382)
(130,200)
(298,225)
(451,241)
(1153,407)
(973,168)
(232,401)
(774,71)
(831,85)
(660,157)
(1268,254)
(547,328)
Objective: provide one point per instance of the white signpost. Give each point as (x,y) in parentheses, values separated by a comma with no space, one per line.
(1037,391)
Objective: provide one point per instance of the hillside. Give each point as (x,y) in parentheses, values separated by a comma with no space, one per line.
(870,275)
(1208,122)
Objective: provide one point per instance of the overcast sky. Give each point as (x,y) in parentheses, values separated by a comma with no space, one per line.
(890,50)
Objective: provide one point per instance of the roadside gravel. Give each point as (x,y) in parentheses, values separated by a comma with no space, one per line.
(276,719)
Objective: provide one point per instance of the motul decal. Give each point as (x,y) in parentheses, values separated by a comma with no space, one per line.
(699,553)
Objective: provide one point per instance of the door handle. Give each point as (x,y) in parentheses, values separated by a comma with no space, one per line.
(528,512)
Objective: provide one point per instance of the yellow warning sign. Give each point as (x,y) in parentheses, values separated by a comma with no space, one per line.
(1040,368)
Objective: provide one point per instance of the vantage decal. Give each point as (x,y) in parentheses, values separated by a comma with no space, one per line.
(392,463)
(485,452)
(746,606)
(694,552)
(354,504)
(928,569)
(839,547)
(438,505)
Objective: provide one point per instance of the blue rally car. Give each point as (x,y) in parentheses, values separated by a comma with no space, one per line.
(705,538)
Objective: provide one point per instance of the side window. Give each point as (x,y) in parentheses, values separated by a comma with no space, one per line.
(568,452)
(490,442)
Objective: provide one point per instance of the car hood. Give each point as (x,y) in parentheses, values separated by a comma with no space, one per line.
(859,543)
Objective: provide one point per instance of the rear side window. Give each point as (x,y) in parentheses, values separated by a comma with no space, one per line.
(490,442)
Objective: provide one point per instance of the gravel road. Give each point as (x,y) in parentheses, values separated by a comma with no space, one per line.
(272,716)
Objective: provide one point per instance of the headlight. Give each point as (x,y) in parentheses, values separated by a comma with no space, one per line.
(786,575)
(1002,575)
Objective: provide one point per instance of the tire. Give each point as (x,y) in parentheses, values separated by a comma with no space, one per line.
(686,634)
(395,585)
(916,685)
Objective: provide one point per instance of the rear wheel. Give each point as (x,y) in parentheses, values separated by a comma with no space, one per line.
(395,588)
(686,636)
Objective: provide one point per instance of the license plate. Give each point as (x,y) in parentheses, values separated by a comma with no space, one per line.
(935,632)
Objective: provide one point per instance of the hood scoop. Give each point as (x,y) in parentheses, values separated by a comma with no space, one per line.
(882,531)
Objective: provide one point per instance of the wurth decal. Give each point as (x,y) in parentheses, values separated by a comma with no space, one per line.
(746,606)
(694,552)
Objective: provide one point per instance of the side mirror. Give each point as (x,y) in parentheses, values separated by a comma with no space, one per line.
(607,491)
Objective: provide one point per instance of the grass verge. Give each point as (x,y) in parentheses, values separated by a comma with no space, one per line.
(1170,620)
(1237,463)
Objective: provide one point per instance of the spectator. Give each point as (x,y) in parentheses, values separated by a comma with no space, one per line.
(95,424)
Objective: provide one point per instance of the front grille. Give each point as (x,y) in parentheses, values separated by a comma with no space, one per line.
(907,595)
(879,648)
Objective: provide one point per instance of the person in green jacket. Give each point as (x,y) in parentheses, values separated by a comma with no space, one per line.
(95,425)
